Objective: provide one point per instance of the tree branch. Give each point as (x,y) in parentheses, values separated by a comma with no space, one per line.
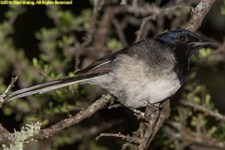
(6,93)
(198,14)
(92,109)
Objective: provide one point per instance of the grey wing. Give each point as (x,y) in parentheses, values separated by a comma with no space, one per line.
(103,65)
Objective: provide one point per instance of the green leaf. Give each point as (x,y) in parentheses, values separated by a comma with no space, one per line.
(45,122)
(207,99)
(35,62)
(213,130)
(114,43)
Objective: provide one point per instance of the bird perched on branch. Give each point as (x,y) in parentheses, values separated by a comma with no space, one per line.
(150,70)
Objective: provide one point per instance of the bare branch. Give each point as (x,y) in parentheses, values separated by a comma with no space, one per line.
(198,14)
(6,93)
(154,125)
(120,32)
(124,137)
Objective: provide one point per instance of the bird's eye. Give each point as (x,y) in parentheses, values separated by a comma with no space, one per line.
(183,38)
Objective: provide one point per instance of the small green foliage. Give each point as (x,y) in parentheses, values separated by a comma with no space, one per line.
(203,52)
(66,138)
(123,2)
(114,43)
(2,87)
(192,75)
(30,118)
(223,8)
(198,121)
(15,9)
(20,105)
(207,99)
(66,41)
(46,34)
(212,130)
(66,18)
(178,117)
(45,122)
(35,62)
(5,28)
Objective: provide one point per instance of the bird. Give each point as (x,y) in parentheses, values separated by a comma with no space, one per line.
(151,70)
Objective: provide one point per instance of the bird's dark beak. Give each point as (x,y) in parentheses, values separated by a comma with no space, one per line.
(201,43)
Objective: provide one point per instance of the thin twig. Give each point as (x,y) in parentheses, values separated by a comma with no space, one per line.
(157,12)
(201,108)
(124,137)
(120,32)
(155,124)
(164,115)
(6,93)
(90,32)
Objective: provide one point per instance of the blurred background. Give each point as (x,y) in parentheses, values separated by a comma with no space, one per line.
(47,42)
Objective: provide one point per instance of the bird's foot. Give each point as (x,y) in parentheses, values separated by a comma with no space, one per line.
(152,111)
(139,114)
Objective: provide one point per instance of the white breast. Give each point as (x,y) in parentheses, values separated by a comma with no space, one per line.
(152,91)
(135,84)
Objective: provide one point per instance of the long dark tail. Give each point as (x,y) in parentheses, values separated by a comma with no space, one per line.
(46,87)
